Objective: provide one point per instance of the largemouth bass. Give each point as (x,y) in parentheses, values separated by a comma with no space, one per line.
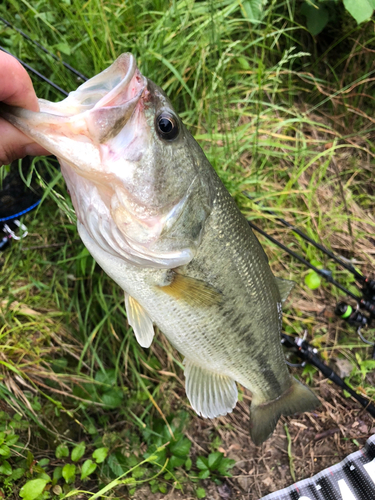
(155,216)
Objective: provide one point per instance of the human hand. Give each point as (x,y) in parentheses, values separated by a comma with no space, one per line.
(16,89)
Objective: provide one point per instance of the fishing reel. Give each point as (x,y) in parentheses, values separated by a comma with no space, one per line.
(368,289)
(354,317)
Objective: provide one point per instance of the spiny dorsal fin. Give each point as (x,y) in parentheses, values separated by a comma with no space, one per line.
(285,287)
(193,291)
(139,321)
(210,394)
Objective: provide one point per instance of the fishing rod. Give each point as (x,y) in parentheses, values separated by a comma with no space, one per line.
(66,65)
(35,72)
(321,272)
(364,303)
(325,250)
(367,284)
(310,354)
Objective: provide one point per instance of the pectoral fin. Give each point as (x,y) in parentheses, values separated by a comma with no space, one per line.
(210,394)
(140,321)
(285,287)
(191,290)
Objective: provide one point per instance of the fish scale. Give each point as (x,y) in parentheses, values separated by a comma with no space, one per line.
(155,216)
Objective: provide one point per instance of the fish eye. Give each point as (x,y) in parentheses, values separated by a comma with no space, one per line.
(166,126)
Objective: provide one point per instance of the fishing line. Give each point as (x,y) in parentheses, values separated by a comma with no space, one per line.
(35,72)
(70,68)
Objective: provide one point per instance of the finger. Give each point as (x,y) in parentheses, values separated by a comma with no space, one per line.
(14,144)
(16,87)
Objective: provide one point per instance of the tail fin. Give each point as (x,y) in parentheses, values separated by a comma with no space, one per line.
(264,417)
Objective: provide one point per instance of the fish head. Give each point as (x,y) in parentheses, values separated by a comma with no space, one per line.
(139,182)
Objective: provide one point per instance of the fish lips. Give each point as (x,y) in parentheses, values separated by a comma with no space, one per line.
(91,115)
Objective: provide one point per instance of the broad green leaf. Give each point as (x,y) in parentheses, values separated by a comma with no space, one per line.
(32,489)
(78,451)
(16,474)
(11,439)
(226,463)
(100,454)
(253,9)
(201,493)
(214,460)
(69,473)
(43,475)
(317,16)
(107,377)
(188,464)
(113,398)
(57,473)
(181,448)
(62,451)
(4,450)
(64,48)
(163,488)
(361,10)
(204,474)
(202,463)
(88,467)
(138,472)
(175,462)
(5,468)
(117,463)
(43,462)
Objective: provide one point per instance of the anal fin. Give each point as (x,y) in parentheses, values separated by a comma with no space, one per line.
(210,394)
(139,321)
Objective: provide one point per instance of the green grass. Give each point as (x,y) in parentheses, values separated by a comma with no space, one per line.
(280,115)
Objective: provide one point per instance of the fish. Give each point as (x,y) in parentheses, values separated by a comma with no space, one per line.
(156,217)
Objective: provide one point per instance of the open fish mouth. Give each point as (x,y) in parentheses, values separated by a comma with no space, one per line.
(116,86)
(93,114)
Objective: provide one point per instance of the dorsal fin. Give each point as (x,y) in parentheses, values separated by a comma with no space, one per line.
(285,287)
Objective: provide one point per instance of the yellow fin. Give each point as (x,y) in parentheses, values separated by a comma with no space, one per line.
(192,291)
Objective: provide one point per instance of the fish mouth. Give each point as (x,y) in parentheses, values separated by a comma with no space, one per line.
(114,86)
(91,115)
